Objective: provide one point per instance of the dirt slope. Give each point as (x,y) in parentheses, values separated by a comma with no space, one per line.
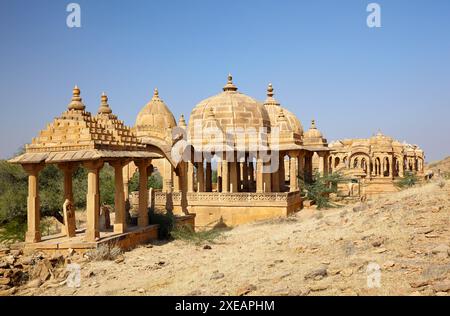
(442,165)
(313,253)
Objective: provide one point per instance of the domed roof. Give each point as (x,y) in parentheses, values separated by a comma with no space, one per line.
(273,109)
(313,132)
(232,110)
(155,119)
(313,137)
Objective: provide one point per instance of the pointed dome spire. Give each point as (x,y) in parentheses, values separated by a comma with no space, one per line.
(76,103)
(313,124)
(270,99)
(155,94)
(230,86)
(182,121)
(104,106)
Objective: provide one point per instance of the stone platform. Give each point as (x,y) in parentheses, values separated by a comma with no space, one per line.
(61,243)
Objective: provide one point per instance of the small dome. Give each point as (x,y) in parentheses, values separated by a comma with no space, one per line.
(313,137)
(273,108)
(155,120)
(232,110)
(76,103)
(313,132)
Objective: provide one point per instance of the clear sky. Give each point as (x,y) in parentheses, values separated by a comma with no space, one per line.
(323,60)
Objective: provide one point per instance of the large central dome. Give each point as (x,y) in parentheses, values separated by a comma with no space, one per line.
(232,110)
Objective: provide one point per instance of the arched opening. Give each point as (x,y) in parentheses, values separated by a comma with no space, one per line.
(336,162)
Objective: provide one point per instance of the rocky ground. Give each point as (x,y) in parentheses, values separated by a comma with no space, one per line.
(401,241)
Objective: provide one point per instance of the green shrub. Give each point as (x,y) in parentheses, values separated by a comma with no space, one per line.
(188,234)
(409,180)
(321,187)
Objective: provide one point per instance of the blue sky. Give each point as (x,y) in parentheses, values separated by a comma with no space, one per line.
(323,60)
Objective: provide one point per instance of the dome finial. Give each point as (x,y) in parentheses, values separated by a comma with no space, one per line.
(230,86)
(104,106)
(156,93)
(76,103)
(313,124)
(270,92)
(182,121)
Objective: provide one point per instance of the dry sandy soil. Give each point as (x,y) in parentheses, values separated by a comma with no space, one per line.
(325,252)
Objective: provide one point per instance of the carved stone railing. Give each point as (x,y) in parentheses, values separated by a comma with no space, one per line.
(240,198)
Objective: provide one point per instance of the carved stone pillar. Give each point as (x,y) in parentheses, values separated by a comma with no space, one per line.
(143,193)
(33,233)
(225,177)
(190,176)
(293,186)
(259,176)
(93,200)
(120,224)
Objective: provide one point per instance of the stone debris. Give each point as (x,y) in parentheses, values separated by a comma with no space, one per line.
(319,272)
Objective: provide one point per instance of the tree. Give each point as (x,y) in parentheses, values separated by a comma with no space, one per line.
(321,187)
(154,181)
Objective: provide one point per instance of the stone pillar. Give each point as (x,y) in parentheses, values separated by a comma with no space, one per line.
(326,159)
(167,176)
(93,200)
(176,181)
(259,176)
(281,174)
(208,184)
(200,177)
(293,186)
(225,177)
(143,193)
(33,233)
(120,222)
(190,176)
(321,163)
(391,167)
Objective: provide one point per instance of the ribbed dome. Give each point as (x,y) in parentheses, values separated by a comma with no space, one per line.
(273,109)
(232,110)
(155,119)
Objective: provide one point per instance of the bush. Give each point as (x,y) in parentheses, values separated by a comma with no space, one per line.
(321,187)
(165,221)
(409,180)
(188,234)
(104,252)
